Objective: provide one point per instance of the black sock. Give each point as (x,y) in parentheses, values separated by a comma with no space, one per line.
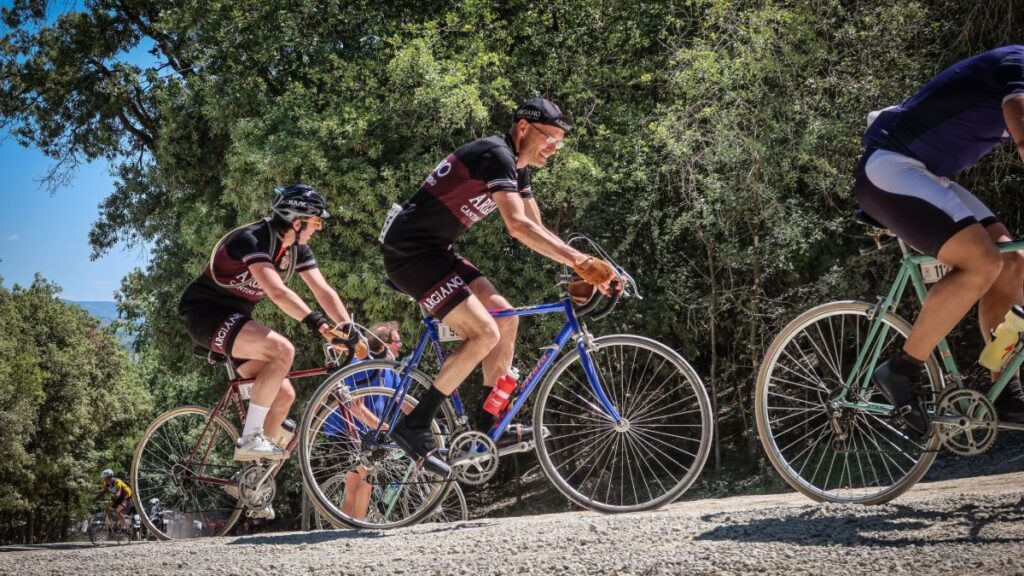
(425,411)
(484,420)
(907,365)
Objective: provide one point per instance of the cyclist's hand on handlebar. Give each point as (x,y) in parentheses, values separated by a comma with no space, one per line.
(335,336)
(599,273)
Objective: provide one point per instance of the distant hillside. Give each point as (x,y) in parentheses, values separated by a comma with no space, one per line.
(107,313)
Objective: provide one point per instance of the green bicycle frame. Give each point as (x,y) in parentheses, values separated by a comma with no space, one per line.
(910,271)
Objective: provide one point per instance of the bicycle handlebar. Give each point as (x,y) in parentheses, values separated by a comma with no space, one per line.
(625,285)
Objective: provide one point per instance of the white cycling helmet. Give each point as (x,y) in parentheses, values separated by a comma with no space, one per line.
(108,473)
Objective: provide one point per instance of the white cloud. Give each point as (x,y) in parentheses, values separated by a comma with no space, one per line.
(13,237)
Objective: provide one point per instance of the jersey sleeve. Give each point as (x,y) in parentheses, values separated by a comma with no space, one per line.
(1010,72)
(248,248)
(497,169)
(304,259)
(525,180)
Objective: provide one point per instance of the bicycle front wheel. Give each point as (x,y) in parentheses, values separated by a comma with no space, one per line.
(648,458)
(337,443)
(186,459)
(837,454)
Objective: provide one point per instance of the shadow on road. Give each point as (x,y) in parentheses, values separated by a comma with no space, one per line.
(309,537)
(53,546)
(892,525)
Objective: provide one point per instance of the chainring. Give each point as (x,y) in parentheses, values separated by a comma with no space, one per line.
(473,457)
(253,496)
(971,434)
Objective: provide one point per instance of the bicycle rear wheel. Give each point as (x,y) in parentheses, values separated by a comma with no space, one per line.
(830,454)
(97,530)
(652,455)
(336,438)
(186,459)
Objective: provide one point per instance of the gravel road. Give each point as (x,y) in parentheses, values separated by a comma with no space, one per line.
(964,526)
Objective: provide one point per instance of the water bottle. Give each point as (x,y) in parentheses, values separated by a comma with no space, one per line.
(1004,340)
(500,394)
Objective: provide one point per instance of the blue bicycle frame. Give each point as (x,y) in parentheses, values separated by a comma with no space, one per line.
(570,330)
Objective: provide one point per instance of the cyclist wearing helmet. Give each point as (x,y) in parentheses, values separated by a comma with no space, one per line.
(484,175)
(120,497)
(251,262)
(903,180)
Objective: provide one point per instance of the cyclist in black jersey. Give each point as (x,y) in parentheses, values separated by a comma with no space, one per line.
(484,175)
(246,265)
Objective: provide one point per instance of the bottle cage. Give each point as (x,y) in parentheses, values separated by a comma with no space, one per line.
(286,274)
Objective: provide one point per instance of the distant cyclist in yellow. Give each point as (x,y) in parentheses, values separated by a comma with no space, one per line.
(120,497)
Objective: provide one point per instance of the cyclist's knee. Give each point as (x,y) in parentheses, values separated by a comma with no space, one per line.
(508,325)
(1013,266)
(485,336)
(279,349)
(286,395)
(988,266)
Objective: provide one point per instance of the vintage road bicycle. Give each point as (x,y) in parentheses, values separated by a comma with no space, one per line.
(185,458)
(825,428)
(626,421)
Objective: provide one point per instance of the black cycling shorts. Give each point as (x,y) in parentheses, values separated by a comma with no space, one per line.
(923,209)
(438,280)
(120,499)
(213,327)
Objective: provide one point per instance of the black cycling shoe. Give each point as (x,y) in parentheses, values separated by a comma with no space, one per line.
(904,393)
(418,444)
(1010,404)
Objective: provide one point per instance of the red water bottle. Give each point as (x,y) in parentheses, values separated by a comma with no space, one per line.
(500,394)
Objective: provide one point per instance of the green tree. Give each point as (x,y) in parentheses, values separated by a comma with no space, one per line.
(78,405)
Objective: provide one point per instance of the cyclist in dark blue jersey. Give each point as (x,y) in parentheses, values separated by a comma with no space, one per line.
(480,177)
(903,180)
(246,265)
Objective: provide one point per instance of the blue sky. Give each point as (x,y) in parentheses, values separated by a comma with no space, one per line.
(49,234)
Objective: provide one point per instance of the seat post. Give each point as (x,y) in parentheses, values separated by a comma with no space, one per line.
(232,372)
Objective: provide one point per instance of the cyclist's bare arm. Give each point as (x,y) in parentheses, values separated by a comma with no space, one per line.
(532,233)
(1013,111)
(326,296)
(285,299)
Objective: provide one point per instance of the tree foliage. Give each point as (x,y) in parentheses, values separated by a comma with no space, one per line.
(73,405)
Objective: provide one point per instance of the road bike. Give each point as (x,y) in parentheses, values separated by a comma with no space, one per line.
(185,461)
(623,422)
(827,430)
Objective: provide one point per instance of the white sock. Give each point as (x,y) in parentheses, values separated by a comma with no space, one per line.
(254,418)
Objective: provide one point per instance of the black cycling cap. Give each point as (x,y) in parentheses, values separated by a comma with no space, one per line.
(543,111)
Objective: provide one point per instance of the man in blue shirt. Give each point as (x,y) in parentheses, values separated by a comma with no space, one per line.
(903,180)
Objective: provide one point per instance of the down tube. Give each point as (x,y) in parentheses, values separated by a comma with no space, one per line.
(550,353)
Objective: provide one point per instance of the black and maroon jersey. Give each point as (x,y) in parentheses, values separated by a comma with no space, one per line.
(457,194)
(243,248)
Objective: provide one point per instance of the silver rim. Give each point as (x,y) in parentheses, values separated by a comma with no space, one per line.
(649,458)
(829,455)
(330,448)
(193,508)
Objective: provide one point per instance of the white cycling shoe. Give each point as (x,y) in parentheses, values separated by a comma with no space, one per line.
(256,446)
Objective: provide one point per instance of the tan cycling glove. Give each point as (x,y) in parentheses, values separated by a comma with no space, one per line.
(595,271)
